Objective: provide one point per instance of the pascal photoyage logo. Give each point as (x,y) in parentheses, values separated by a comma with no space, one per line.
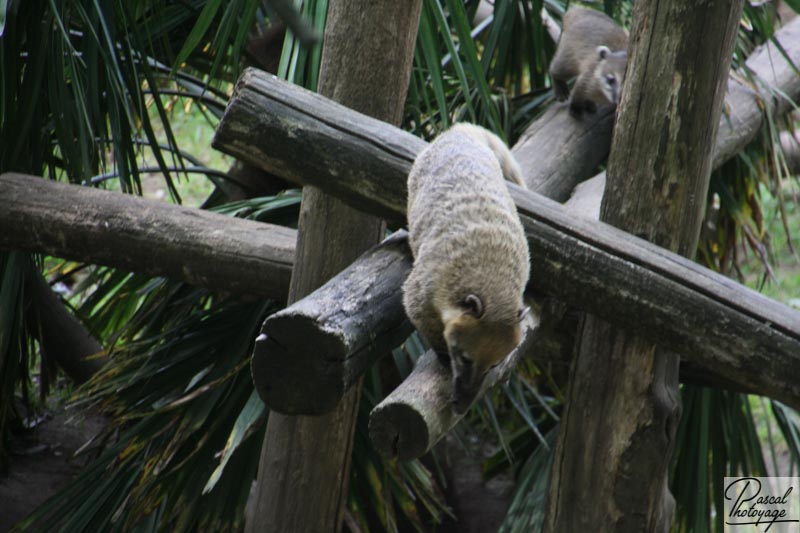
(762,504)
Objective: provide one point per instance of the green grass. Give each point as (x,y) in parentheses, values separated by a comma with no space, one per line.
(193,130)
(785,287)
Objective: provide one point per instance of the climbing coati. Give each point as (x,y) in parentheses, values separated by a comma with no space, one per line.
(471,264)
(593,48)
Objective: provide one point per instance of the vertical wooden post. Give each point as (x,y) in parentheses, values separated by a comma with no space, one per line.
(617,432)
(305,461)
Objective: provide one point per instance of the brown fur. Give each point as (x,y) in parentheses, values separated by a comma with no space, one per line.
(599,73)
(468,246)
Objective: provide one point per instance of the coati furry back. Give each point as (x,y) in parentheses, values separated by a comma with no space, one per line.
(593,48)
(471,263)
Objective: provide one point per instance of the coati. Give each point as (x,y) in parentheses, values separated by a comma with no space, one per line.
(593,48)
(471,264)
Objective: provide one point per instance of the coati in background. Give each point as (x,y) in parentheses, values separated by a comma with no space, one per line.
(471,261)
(593,48)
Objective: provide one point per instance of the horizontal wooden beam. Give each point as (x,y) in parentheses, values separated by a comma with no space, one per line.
(353,319)
(103,227)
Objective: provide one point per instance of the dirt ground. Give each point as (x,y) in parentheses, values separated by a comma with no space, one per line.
(42,462)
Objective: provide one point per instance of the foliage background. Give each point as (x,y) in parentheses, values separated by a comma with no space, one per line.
(125,95)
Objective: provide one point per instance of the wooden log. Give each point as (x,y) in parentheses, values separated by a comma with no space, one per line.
(408,422)
(365,163)
(304,469)
(311,352)
(360,159)
(546,152)
(96,226)
(671,299)
(747,104)
(623,399)
(62,337)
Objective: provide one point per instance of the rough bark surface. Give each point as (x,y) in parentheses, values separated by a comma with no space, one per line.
(558,151)
(95,226)
(418,413)
(623,406)
(305,461)
(311,352)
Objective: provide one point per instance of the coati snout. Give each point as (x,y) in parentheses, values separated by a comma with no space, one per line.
(610,72)
(475,345)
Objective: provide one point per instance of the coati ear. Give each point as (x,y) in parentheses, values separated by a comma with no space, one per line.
(603,51)
(473,305)
(522,313)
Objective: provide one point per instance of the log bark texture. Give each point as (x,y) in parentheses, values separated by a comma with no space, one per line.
(95,226)
(557,151)
(305,461)
(418,413)
(311,352)
(748,104)
(623,402)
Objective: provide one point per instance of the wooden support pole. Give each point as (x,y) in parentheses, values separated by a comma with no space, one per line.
(305,461)
(623,401)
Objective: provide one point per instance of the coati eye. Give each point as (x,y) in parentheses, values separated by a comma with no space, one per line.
(473,305)
(522,313)
(611,79)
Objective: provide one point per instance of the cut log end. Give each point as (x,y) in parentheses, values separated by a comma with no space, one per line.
(284,387)
(408,422)
(398,430)
(309,353)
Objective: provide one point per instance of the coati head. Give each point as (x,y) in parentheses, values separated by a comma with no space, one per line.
(477,340)
(610,72)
